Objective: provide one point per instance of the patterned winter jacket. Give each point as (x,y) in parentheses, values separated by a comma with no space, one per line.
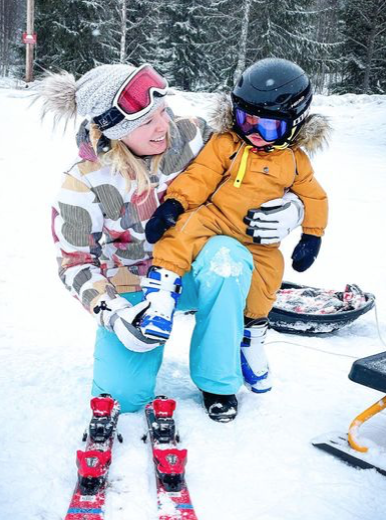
(98,224)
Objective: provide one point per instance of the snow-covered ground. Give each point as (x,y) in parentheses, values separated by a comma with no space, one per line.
(260,467)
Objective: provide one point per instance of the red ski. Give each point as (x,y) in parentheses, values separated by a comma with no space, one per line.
(173,497)
(88,500)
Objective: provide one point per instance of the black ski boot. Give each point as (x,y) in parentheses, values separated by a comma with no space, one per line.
(220,408)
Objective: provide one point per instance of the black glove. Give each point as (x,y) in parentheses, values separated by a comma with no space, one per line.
(306,252)
(164,217)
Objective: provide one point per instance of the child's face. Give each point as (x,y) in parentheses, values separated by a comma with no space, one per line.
(249,121)
(258,141)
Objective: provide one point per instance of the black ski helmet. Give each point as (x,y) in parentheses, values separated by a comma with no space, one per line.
(275,88)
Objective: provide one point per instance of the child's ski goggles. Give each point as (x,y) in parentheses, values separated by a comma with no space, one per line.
(269,129)
(135,97)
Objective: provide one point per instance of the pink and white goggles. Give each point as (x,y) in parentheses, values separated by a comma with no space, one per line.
(135,97)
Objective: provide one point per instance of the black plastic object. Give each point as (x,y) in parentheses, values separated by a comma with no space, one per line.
(314,324)
(370,371)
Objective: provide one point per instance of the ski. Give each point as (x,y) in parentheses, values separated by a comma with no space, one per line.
(173,497)
(93,463)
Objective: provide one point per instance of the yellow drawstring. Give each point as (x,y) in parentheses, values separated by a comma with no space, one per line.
(243,164)
(243,168)
(285,145)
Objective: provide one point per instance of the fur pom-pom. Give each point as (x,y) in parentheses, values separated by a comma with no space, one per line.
(57,95)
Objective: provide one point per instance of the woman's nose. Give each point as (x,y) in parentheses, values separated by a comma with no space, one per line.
(162,122)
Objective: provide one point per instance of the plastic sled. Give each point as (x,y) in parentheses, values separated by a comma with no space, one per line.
(308,323)
(350,447)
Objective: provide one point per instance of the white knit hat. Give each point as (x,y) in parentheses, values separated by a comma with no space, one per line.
(90,96)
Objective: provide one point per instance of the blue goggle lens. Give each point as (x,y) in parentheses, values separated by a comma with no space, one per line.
(269,129)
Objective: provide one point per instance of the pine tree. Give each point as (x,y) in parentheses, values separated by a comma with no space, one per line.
(174,43)
(287,29)
(364,28)
(222,21)
(76,35)
(149,34)
(205,44)
(11,21)
(327,30)
(187,60)
(236,37)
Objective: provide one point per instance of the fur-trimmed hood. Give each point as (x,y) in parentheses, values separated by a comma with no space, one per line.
(313,136)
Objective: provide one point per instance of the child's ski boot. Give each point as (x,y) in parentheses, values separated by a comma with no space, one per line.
(162,289)
(254,362)
(220,408)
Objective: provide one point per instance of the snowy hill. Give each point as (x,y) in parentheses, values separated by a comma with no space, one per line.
(260,467)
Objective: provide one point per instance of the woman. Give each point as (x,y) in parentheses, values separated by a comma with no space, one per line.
(135,148)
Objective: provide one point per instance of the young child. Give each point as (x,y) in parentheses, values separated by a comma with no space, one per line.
(256,157)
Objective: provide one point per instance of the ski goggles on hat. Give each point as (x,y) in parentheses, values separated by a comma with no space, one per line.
(135,98)
(269,129)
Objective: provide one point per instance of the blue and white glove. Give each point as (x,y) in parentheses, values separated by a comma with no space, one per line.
(118,315)
(275,219)
(305,252)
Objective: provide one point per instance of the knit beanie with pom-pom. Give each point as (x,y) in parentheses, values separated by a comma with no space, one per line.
(90,96)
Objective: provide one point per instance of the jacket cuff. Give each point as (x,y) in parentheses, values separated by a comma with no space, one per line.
(180,198)
(318,232)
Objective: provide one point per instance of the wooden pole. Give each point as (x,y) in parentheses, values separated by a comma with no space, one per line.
(30,46)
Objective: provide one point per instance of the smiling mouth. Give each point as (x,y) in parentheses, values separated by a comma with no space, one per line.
(159,140)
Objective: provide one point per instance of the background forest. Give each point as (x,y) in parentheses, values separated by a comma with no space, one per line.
(202,45)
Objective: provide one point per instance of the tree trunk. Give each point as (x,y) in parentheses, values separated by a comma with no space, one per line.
(122,54)
(9,22)
(369,59)
(375,40)
(243,40)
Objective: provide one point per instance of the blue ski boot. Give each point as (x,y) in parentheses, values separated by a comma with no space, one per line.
(162,289)
(254,362)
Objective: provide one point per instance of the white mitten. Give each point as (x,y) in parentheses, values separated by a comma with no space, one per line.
(118,315)
(275,219)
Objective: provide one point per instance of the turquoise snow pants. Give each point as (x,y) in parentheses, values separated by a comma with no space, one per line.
(217,288)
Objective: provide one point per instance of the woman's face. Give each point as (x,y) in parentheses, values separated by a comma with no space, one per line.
(150,137)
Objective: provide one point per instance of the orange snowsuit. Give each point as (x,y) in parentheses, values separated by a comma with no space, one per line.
(226,180)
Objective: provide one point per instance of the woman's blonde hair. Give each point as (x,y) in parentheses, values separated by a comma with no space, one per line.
(123,162)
